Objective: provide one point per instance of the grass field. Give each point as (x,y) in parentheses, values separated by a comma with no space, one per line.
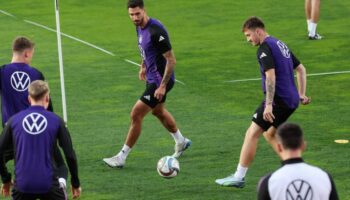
(210,50)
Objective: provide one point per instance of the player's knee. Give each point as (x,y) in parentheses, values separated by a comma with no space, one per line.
(135,117)
(158,113)
(269,136)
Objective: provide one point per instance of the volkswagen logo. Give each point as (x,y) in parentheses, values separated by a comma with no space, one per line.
(34,123)
(20,81)
(299,190)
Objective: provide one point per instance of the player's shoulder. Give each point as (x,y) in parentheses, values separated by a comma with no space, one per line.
(263,50)
(156,27)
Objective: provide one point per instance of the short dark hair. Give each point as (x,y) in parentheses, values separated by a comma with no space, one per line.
(290,135)
(22,43)
(135,3)
(38,89)
(253,23)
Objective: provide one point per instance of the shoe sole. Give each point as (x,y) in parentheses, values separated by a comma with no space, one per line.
(119,167)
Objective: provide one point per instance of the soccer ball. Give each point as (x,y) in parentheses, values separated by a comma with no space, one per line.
(168,167)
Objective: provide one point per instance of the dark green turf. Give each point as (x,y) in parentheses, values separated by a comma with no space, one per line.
(210,49)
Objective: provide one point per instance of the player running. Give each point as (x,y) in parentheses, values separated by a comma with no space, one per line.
(157,69)
(282,97)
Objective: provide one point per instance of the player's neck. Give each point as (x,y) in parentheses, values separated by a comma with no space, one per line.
(145,21)
(19,59)
(263,37)
(39,103)
(289,154)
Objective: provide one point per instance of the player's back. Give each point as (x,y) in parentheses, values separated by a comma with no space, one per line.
(35,133)
(15,79)
(300,180)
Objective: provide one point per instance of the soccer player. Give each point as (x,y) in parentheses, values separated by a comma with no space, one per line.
(157,69)
(15,79)
(295,179)
(312,13)
(33,133)
(282,97)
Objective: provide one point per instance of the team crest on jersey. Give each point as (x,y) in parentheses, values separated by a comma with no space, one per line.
(34,123)
(20,81)
(284,49)
(299,189)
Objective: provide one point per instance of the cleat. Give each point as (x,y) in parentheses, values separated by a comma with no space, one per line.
(115,161)
(180,148)
(231,181)
(315,37)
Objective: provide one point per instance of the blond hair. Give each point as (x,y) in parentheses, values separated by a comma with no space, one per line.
(38,90)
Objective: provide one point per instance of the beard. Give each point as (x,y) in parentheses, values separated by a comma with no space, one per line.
(137,23)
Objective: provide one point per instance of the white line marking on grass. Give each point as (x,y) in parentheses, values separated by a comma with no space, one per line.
(134,63)
(76,39)
(8,14)
(71,37)
(315,74)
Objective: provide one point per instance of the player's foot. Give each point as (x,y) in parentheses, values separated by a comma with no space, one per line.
(315,37)
(231,181)
(115,161)
(181,147)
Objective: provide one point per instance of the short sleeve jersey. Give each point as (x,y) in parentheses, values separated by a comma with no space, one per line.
(273,53)
(153,42)
(15,79)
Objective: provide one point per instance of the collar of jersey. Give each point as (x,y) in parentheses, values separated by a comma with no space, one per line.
(292,161)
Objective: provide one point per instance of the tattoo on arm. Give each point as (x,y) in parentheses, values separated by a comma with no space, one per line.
(166,78)
(270,90)
(169,68)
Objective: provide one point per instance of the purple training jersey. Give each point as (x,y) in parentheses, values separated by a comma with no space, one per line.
(153,42)
(273,53)
(34,135)
(15,79)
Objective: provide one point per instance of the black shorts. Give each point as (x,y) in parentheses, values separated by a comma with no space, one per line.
(279,109)
(56,193)
(148,95)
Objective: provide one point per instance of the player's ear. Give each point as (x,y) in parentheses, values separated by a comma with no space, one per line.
(279,148)
(30,100)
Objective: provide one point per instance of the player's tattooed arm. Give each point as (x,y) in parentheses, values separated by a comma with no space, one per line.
(270,93)
(270,86)
(169,68)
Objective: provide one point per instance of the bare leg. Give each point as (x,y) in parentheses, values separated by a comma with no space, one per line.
(250,144)
(308,9)
(315,11)
(139,111)
(165,117)
(270,137)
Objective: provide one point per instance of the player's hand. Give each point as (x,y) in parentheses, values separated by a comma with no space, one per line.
(305,100)
(76,192)
(142,74)
(268,115)
(160,92)
(5,189)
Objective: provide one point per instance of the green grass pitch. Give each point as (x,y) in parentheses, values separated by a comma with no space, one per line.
(210,50)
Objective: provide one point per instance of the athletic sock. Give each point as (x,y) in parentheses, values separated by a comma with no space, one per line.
(241,171)
(178,137)
(124,152)
(312,32)
(308,25)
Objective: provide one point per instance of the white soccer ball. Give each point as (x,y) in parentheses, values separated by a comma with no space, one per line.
(168,167)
